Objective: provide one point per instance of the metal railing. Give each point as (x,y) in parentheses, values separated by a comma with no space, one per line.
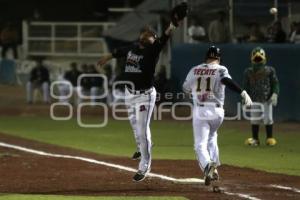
(64,38)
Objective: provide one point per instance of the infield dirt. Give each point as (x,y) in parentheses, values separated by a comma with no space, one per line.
(28,173)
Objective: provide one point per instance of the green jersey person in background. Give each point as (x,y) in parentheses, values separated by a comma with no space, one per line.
(262,84)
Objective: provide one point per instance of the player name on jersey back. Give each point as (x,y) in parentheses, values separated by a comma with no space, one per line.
(204,71)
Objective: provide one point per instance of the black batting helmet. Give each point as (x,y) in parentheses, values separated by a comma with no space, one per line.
(213,52)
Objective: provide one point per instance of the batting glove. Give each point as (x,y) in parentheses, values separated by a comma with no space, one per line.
(246,98)
(274,99)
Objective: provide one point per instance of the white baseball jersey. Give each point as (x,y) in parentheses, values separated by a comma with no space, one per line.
(204,82)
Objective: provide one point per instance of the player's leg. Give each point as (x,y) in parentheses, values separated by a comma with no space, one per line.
(46,91)
(77,98)
(201,131)
(144,112)
(201,134)
(63,90)
(213,148)
(118,96)
(268,122)
(95,91)
(109,98)
(131,109)
(29,92)
(133,123)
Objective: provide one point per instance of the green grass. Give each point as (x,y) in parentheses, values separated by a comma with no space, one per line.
(56,197)
(173,140)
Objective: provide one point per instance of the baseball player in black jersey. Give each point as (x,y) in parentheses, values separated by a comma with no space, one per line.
(70,76)
(140,95)
(39,79)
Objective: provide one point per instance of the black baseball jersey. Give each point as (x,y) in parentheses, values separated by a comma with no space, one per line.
(72,76)
(39,75)
(141,62)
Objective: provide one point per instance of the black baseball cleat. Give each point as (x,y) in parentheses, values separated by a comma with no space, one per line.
(209,172)
(139,176)
(136,155)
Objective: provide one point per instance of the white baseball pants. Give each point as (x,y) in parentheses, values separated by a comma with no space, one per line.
(140,108)
(206,121)
(44,87)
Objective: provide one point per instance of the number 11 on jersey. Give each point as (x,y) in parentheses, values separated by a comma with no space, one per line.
(208,84)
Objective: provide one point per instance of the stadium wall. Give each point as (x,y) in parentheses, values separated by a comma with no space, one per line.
(7,71)
(236,57)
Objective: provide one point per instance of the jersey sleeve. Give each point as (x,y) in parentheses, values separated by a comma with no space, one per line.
(121,52)
(187,85)
(231,85)
(223,72)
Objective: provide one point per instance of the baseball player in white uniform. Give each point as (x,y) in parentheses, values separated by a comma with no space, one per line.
(207,83)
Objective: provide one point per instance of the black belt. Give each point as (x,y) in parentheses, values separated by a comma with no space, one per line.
(209,104)
(137,92)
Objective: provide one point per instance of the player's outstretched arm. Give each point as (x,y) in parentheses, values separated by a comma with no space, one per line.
(178,13)
(120,52)
(104,59)
(236,88)
(170,29)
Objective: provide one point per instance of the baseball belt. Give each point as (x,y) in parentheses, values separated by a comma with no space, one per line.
(209,105)
(138,92)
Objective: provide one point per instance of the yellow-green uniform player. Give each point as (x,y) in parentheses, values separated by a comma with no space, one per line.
(261,83)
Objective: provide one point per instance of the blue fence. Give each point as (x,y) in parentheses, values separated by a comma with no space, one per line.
(236,57)
(7,71)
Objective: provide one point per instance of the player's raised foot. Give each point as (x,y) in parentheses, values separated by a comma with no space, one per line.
(208,172)
(136,155)
(271,142)
(252,142)
(139,176)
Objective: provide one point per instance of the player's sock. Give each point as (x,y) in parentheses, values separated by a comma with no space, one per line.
(269,130)
(255,130)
